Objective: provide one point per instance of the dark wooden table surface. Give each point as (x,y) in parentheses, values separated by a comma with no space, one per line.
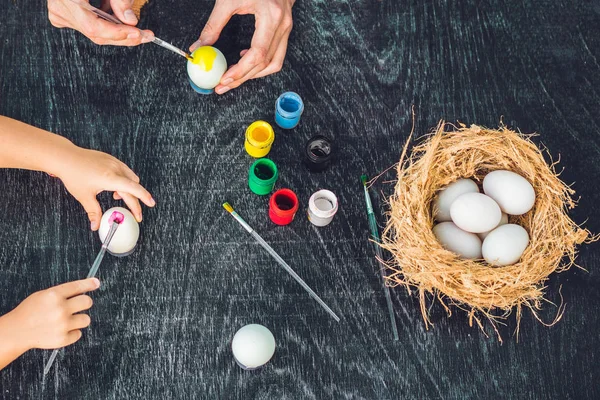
(165,316)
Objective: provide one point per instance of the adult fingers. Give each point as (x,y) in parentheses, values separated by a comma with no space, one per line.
(70,289)
(104,32)
(93,210)
(277,61)
(79,321)
(134,205)
(79,303)
(123,11)
(124,185)
(266,29)
(219,17)
(117,196)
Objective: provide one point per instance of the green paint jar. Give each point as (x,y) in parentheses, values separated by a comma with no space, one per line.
(262,176)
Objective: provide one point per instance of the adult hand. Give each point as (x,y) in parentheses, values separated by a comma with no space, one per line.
(50,318)
(85,173)
(69,14)
(269,43)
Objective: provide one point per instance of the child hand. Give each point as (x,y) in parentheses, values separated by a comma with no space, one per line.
(48,319)
(85,173)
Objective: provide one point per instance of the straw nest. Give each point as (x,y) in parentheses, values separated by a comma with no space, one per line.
(485,292)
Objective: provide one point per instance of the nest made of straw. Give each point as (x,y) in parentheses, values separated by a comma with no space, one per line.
(420,262)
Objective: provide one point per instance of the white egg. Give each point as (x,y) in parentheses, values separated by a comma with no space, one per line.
(208,67)
(253,345)
(505,245)
(445,198)
(465,244)
(513,193)
(475,212)
(126,235)
(503,221)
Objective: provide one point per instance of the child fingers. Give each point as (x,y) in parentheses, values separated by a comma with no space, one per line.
(124,185)
(72,337)
(79,321)
(93,210)
(70,289)
(134,205)
(79,303)
(117,196)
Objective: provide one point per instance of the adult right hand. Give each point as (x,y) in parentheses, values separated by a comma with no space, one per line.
(69,14)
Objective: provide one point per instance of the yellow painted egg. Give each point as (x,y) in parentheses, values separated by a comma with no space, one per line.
(206,69)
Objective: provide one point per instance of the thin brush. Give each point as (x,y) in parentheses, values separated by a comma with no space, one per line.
(92,273)
(277,258)
(111,18)
(377,240)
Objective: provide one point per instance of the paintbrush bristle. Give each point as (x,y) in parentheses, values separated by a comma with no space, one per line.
(228,207)
(363,179)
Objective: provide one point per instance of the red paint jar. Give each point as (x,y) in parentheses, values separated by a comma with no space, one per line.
(283,206)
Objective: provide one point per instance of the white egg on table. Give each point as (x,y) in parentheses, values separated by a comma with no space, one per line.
(505,245)
(206,69)
(503,221)
(475,212)
(126,235)
(446,196)
(253,346)
(513,193)
(454,239)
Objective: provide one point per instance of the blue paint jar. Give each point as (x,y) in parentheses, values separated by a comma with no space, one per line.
(288,109)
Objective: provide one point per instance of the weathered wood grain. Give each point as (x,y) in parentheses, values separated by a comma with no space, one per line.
(164,317)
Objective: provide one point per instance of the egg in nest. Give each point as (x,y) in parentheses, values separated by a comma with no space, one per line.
(206,69)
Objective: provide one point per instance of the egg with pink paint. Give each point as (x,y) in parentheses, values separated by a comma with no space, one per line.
(127,234)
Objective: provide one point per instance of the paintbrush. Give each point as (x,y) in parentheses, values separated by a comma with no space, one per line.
(280,260)
(115,219)
(379,255)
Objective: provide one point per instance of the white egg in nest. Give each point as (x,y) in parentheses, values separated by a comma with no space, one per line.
(126,236)
(446,196)
(505,245)
(513,193)
(454,239)
(206,69)
(475,212)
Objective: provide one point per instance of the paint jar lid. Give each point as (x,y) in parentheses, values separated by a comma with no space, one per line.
(289,105)
(323,204)
(260,134)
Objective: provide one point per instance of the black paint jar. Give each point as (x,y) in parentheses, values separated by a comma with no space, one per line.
(318,153)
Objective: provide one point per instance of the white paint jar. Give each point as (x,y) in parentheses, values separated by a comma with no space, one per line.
(322,206)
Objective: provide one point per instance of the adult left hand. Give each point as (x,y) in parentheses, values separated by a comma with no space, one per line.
(269,43)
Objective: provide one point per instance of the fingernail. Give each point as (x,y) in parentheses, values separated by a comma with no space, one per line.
(147,38)
(152,202)
(139,217)
(195,45)
(227,81)
(133,35)
(92,225)
(223,89)
(130,16)
(96,282)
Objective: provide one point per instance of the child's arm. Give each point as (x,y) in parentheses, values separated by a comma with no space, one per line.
(47,319)
(85,173)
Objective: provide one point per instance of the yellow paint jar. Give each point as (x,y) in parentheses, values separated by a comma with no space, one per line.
(259,138)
